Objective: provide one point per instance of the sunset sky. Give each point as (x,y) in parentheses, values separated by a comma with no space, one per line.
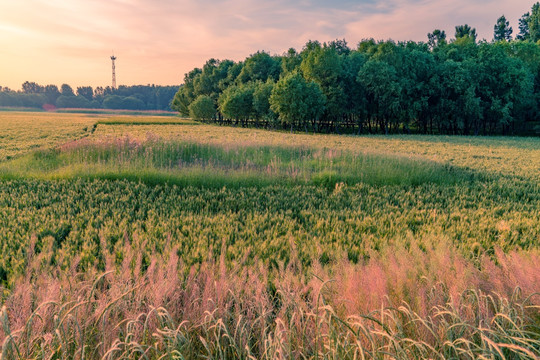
(158,41)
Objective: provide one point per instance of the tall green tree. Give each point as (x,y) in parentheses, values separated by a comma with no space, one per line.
(260,66)
(32,88)
(340,46)
(529,24)
(383,88)
(297,102)
(261,103)
(236,102)
(502,31)
(524,27)
(290,61)
(86,91)
(202,108)
(504,86)
(186,93)
(529,53)
(52,93)
(323,65)
(66,90)
(207,82)
(418,68)
(310,46)
(355,95)
(465,31)
(436,38)
(533,23)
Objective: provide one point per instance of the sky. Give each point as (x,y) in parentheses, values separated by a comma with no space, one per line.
(158,41)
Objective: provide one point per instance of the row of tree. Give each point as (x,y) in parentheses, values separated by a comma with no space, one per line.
(458,86)
(138,97)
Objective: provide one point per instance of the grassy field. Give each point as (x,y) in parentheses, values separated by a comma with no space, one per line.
(147,120)
(138,237)
(499,155)
(21,132)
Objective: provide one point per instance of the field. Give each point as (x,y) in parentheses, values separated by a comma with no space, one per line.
(21,132)
(138,237)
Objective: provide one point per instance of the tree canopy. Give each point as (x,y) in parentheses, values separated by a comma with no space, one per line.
(202,108)
(502,30)
(457,86)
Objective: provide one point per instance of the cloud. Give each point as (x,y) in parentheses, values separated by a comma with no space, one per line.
(157,41)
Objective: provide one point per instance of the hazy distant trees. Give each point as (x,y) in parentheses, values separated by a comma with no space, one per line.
(52,93)
(66,90)
(72,101)
(86,91)
(138,97)
(31,88)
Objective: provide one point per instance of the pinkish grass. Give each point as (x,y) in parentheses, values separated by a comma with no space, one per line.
(434,299)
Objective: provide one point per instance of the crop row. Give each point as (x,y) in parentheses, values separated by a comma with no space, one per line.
(70,218)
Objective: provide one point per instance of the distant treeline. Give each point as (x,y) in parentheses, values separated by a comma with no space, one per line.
(457,86)
(138,97)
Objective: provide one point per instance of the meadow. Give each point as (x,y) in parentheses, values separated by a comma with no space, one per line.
(128,237)
(21,132)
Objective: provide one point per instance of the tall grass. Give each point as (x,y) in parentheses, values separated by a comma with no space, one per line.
(501,155)
(155,160)
(375,310)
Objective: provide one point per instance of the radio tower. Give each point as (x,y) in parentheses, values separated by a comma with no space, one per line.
(113,72)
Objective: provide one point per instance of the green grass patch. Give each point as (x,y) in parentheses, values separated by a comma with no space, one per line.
(190,163)
(20,109)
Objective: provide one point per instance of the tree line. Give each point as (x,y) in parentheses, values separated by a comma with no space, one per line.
(137,97)
(442,86)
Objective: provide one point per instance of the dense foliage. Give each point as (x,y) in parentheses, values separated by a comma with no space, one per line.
(137,97)
(462,86)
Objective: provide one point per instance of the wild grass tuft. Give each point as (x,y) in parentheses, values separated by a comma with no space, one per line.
(169,311)
(190,163)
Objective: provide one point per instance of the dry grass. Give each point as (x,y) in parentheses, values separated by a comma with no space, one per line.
(401,304)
